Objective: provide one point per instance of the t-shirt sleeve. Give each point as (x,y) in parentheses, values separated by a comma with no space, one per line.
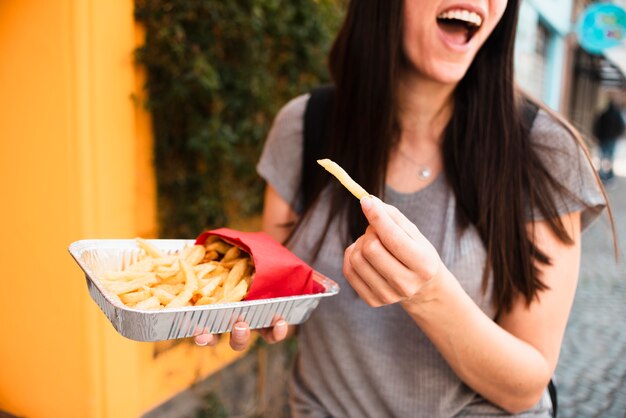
(567,162)
(280,164)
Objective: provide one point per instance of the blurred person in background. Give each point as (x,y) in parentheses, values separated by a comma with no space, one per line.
(608,127)
(455,292)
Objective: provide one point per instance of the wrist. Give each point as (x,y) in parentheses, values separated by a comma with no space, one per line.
(432,293)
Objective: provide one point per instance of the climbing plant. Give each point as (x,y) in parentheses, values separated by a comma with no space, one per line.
(217,73)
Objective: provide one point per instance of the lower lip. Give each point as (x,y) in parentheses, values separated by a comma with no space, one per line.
(452,44)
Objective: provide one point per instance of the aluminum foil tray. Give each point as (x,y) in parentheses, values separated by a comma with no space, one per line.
(96,257)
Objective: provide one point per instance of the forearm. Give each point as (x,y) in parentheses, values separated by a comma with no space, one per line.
(501,367)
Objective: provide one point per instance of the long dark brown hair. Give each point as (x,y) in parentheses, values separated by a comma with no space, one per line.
(489,162)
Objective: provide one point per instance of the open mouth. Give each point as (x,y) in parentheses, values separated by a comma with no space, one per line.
(460,25)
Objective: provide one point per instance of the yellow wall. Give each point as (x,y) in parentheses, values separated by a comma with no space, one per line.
(74,163)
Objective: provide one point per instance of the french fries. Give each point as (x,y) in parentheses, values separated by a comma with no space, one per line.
(345,179)
(217,272)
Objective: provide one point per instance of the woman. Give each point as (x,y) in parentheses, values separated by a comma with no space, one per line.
(608,128)
(464,279)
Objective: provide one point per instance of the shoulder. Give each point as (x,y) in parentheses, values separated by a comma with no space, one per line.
(549,135)
(567,161)
(287,128)
(281,159)
(292,113)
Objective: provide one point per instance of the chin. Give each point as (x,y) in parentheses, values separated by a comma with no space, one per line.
(447,73)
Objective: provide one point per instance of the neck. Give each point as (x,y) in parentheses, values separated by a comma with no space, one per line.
(425,109)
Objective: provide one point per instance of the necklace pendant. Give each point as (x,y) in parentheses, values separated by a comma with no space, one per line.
(424,173)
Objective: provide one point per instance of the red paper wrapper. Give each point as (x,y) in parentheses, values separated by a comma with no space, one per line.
(278,272)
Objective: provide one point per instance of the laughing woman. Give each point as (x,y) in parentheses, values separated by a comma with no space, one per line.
(457,290)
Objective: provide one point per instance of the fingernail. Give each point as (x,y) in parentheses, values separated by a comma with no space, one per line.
(239,331)
(201,341)
(281,324)
(366,202)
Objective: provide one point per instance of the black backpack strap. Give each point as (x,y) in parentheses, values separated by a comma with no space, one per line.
(529,113)
(553,398)
(316,123)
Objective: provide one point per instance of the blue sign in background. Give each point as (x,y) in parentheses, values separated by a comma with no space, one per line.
(601,26)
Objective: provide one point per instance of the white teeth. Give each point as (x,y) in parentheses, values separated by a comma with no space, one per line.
(463,15)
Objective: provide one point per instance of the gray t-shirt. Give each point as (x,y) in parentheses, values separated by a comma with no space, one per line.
(358,361)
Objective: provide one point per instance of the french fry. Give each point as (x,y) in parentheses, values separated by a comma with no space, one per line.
(150,303)
(164,272)
(209,288)
(180,300)
(202,270)
(341,175)
(194,254)
(237,293)
(191,281)
(144,265)
(178,278)
(210,256)
(126,287)
(163,295)
(135,297)
(174,289)
(232,254)
(220,246)
(235,275)
(124,275)
(149,248)
(205,300)
(216,272)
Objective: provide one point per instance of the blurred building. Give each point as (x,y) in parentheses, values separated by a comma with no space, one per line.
(543,50)
(551,66)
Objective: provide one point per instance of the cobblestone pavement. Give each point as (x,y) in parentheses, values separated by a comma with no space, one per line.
(591,376)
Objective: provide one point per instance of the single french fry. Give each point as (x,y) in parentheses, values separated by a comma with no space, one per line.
(341,175)
(232,254)
(205,300)
(162,295)
(173,289)
(212,285)
(150,303)
(194,254)
(164,272)
(235,275)
(149,248)
(219,293)
(124,275)
(219,269)
(236,294)
(211,239)
(202,270)
(178,278)
(219,246)
(144,265)
(135,297)
(180,300)
(167,260)
(191,281)
(210,256)
(119,288)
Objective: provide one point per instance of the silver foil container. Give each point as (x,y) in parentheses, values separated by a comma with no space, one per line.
(96,257)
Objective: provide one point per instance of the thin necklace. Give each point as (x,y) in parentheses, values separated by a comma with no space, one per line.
(424,172)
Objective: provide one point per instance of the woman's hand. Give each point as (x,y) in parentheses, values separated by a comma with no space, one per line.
(240,335)
(392,260)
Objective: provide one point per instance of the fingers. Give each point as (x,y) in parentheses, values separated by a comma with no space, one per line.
(206,339)
(401,237)
(276,333)
(240,336)
(373,287)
